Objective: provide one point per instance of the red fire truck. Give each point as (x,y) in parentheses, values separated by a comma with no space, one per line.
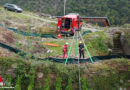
(72,22)
(68,24)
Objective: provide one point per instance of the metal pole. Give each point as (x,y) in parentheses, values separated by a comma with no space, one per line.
(64,6)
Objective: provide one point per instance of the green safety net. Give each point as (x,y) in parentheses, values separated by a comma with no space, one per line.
(70,60)
(30,34)
(39,35)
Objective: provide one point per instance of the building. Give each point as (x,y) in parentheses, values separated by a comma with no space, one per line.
(101,21)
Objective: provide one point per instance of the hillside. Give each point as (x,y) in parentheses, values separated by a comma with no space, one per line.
(42,75)
(27,63)
(29,22)
(117,11)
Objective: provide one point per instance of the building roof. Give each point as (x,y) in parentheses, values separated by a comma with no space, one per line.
(106,18)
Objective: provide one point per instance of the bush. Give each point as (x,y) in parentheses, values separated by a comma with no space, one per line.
(58,85)
(96,43)
(47,84)
(83,84)
(69,86)
(18,83)
(31,84)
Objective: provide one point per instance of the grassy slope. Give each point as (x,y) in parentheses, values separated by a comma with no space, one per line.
(26,23)
(102,73)
(96,42)
(29,24)
(25,68)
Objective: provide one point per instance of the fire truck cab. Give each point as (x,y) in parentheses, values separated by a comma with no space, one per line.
(68,24)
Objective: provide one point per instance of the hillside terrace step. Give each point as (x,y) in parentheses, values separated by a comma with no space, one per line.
(128,67)
(117,46)
(116,40)
(117,52)
(119,49)
(117,43)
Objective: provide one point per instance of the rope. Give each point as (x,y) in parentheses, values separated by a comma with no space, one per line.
(69,50)
(78,64)
(86,48)
(76,44)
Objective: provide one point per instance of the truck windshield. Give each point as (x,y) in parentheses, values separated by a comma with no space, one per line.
(66,23)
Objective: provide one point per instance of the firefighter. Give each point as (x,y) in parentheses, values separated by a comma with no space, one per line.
(65,50)
(81,49)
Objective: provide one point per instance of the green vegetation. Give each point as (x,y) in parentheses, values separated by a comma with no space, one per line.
(24,73)
(103,75)
(47,84)
(58,85)
(117,10)
(31,83)
(27,23)
(126,29)
(96,43)
(18,83)
(69,86)
(84,84)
